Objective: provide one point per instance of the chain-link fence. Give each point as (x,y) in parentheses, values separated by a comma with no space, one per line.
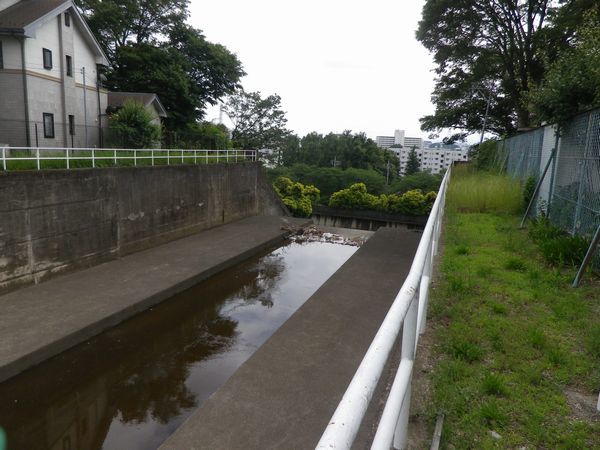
(570,192)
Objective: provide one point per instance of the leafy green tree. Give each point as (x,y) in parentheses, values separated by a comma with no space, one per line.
(204,135)
(118,23)
(258,122)
(133,124)
(572,83)
(412,164)
(354,197)
(494,45)
(152,49)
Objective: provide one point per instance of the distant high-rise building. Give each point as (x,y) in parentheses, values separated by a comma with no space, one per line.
(433,157)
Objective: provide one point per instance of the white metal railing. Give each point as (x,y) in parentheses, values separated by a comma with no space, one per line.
(105,157)
(408,309)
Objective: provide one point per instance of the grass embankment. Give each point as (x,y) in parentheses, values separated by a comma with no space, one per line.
(516,349)
(106,158)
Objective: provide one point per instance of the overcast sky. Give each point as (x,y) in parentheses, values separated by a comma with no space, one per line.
(337,64)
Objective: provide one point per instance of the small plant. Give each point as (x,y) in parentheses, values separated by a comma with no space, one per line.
(556,246)
(492,415)
(528,190)
(494,385)
(515,264)
(467,351)
(499,308)
(593,341)
(536,338)
(462,250)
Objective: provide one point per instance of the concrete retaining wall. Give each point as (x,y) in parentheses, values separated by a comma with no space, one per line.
(58,220)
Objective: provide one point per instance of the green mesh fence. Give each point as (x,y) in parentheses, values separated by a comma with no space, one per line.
(570,193)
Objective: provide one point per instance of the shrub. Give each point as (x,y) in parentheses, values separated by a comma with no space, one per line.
(133,123)
(556,246)
(296,197)
(357,197)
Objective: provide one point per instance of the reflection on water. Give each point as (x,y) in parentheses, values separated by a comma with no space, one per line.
(132,386)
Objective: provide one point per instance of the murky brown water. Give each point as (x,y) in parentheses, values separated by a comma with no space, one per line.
(132,386)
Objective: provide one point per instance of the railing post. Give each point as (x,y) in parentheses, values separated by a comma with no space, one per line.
(206,153)
(152,156)
(401,432)
(195,156)
(4,158)
(227,156)
(115,156)
(168,156)
(67,158)
(135,157)
(37,158)
(93,157)
(181,156)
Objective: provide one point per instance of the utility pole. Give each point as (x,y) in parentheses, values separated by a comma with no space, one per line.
(85,109)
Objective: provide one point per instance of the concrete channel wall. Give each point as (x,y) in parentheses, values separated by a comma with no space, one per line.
(58,220)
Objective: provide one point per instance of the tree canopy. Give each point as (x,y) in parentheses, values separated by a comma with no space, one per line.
(412,164)
(494,50)
(572,83)
(152,49)
(257,122)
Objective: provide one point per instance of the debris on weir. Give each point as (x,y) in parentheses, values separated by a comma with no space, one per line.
(314,234)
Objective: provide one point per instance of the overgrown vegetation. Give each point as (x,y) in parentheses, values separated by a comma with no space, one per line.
(556,246)
(475,191)
(357,197)
(298,198)
(517,350)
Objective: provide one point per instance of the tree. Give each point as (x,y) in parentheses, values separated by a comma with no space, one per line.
(258,122)
(152,49)
(133,124)
(573,81)
(118,23)
(493,45)
(412,164)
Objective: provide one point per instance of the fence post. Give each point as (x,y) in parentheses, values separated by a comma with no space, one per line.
(115,156)
(181,156)
(93,157)
(168,156)
(553,172)
(582,168)
(135,157)
(67,158)
(4,158)
(37,158)
(152,156)
(537,188)
(195,156)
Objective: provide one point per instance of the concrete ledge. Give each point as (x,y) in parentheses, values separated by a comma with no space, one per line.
(41,321)
(285,394)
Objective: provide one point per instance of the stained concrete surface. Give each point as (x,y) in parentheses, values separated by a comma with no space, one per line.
(285,394)
(41,321)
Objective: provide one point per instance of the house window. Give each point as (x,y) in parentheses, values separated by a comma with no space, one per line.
(67,19)
(71,125)
(47,58)
(48,125)
(69,66)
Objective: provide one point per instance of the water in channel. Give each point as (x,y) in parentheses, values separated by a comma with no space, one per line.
(132,386)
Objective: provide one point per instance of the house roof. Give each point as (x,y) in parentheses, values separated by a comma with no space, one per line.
(26,16)
(116,99)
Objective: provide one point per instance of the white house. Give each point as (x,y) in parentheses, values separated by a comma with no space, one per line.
(50,95)
(150,101)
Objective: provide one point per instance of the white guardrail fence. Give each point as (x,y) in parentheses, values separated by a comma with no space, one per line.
(104,157)
(407,313)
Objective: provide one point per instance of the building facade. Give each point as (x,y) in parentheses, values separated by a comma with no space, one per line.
(50,94)
(434,160)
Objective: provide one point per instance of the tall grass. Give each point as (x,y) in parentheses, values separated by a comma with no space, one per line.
(474,191)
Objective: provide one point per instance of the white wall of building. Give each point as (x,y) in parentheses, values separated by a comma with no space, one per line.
(11,53)
(433,160)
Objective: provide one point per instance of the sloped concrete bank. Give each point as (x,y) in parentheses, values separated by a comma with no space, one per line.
(55,221)
(41,321)
(285,394)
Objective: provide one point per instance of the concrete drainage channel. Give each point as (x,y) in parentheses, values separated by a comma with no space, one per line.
(133,385)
